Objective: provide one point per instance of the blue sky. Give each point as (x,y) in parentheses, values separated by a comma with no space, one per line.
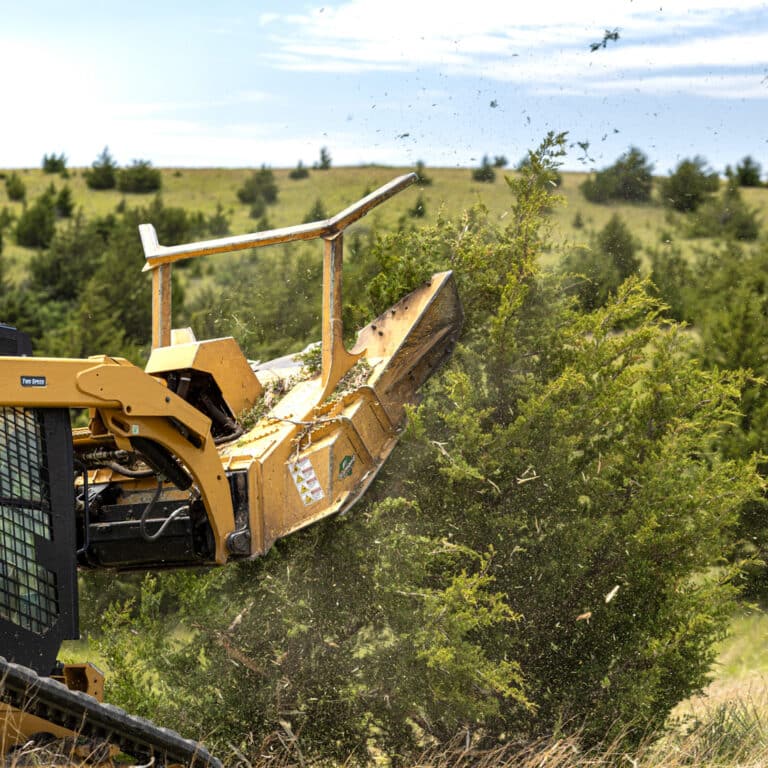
(241,84)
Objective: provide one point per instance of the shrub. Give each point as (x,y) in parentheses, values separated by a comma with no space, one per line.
(103,172)
(317,212)
(261,184)
(748,173)
(616,242)
(596,271)
(629,179)
(419,209)
(485,172)
(139,178)
(37,224)
(549,178)
(15,188)
(64,204)
(218,223)
(299,172)
(258,208)
(689,185)
(54,163)
(674,280)
(421,172)
(325,160)
(725,216)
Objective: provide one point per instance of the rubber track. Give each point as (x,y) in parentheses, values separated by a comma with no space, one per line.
(50,700)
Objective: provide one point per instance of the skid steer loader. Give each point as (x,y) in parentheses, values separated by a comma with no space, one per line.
(193,461)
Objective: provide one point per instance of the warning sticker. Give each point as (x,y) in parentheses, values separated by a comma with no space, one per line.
(307,484)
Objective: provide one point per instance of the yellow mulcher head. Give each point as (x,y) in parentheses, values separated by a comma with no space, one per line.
(321,437)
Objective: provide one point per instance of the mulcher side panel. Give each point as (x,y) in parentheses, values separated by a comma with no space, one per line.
(38,580)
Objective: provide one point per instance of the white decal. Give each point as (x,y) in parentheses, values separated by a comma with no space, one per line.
(307,484)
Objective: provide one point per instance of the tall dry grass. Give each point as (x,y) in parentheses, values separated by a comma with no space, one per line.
(724,734)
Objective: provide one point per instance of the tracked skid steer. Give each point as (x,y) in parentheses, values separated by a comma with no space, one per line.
(201,458)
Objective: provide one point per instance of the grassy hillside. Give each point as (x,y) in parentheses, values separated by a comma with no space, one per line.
(452,190)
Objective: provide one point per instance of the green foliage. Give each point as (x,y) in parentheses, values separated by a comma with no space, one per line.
(725,216)
(59,273)
(616,242)
(64,203)
(570,469)
(724,295)
(218,223)
(103,172)
(139,178)
(549,179)
(269,302)
(325,160)
(419,209)
(629,179)
(500,161)
(424,180)
(317,212)
(15,188)
(689,185)
(260,186)
(85,293)
(598,270)
(37,223)
(674,279)
(485,172)
(748,172)
(54,163)
(299,172)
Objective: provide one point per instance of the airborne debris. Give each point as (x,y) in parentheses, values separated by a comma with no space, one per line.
(610,35)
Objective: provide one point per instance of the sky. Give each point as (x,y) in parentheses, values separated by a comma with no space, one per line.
(243,84)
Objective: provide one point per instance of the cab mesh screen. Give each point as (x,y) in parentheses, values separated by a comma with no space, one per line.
(28,590)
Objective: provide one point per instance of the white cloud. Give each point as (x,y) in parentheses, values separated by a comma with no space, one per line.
(537,43)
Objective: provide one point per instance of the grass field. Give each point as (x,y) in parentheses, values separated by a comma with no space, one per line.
(452,191)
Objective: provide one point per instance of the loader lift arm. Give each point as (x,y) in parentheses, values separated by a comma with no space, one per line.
(133,407)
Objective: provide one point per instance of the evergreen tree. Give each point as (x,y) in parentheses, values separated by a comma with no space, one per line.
(64,204)
(325,160)
(139,178)
(726,215)
(54,163)
(317,212)
(261,184)
(689,185)
(103,172)
(596,271)
(15,188)
(748,172)
(629,179)
(485,172)
(37,224)
(616,242)
(299,172)
(424,180)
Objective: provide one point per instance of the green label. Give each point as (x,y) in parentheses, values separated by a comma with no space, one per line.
(345,467)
